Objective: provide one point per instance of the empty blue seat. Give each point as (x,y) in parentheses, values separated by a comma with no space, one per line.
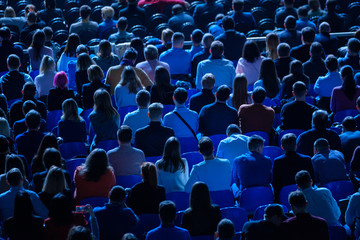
(272,152)
(216,139)
(237,215)
(95,201)
(192,158)
(52,119)
(188,144)
(125,110)
(284,194)
(297,132)
(72,149)
(262,134)
(340,189)
(337,233)
(253,197)
(146,223)
(223,198)
(128,181)
(341,115)
(181,199)
(259,212)
(72,164)
(107,144)
(153,159)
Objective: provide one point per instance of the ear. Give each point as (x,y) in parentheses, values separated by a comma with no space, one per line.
(293,93)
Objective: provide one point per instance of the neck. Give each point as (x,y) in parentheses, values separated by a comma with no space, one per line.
(85,20)
(300,99)
(220,101)
(209,157)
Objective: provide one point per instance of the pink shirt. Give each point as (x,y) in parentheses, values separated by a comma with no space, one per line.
(149,67)
(251,70)
(339,101)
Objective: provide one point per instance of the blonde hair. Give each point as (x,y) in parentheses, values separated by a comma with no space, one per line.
(272,41)
(4,127)
(83,62)
(108,12)
(70,110)
(129,76)
(95,73)
(47,64)
(9,12)
(55,181)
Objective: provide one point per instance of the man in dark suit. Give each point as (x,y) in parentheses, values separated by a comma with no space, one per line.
(290,35)
(134,14)
(329,43)
(206,96)
(204,54)
(287,165)
(282,13)
(315,66)
(7,48)
(206,12)
(29,29)
(151,139)
(233,41)
(244,21)
(302,52)
(282,63)
(335,20)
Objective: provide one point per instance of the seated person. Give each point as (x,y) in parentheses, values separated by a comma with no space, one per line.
(352,56)
(350,138)
(206,96)
(108,26)
(122,35)
(296,74)
(60,93)
(86,29)
(50,12)
(290,35)
(315,67)
(282,63)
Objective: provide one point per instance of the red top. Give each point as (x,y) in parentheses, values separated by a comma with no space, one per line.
(85,188)
(60,232)
(160,4)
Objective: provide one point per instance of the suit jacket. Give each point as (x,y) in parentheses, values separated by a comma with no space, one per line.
(297,115)
(198,100)
(57,96)
(16,112)
(283,66)
(314,68)
(206,12)
(233,44)
(329,43)
(88,91)
(335,21)
(291,37)
(28,143)
(301,52)
(289,80)
(151,139)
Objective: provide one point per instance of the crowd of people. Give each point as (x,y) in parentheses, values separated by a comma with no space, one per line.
(298,91)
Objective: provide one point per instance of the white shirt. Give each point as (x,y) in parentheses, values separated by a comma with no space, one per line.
(251,70)
(232,147)
(173,182)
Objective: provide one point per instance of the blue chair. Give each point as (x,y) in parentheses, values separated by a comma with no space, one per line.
(284,194)
(340,189)
(203,237)
(145,224)
(262,134)
(85,114)
(179,216)
(191,92)
(71,149)
(297,132)
(167,109)
(223,198)
(52,119)
(272,152)
(125,110)
(340,116)
(181,199)
(107,144)
(188,144)
(216,139)
(253,197)
(34,73)
(237,215)
(192,158)
(128,181)
(72,164)
(259,212)
(153,159)
(311,91)
(337,233)
(95,201)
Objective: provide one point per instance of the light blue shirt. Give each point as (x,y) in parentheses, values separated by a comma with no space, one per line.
(7,202)
(324,85)
(123,98)
(353,213)
(222,69)
(173,121)
(216,173)
(178,59)
(232,147)
(322,204)
(137,119)
(27,77)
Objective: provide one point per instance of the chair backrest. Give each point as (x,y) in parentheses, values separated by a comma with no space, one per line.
(188,144)
(52,119)
(107,144)
(72,164)
(297,132)
(192,158)
(262,134)
(272,152)
(237,215)
(72,149)
(216,139)
(145,224)
(337,233)
(223,198)
(125,110)
(95,201)
(253,197)
(181,199)
(341,115)
(284,194)
(340,189)
(128,181)
(259,212)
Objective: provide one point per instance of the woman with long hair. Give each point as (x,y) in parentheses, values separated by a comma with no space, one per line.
(240,93)
(201,218)
(38,50)
(60,92)
(146,196)
(272,41)
(13,161)
(23,224)
(71,127)
(95,75)
(138,45)
(345,96)
(296,74)
(268,78)
(44,81)
(125,91)
(105,57)
(104,119)
(162,90)
(250,62)
(48,141)
(95,178)
(69,52)
(173,171)
(83,62)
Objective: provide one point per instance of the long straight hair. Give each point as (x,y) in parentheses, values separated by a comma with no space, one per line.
(55,181)
(269,77)
(47,64)
(240,93)
(70,110)
(149,174)
(129,76)
(171,160)
(38,41)
(96,165)
(348,85)
(200,197)
(102,103)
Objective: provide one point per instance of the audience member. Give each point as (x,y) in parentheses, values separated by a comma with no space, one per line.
(166,36)
(29,29)
(206,12)
(282,13)
(60,92)
(328,42)
(206,96)
(290,35)
(131,11)
(352,213)
(302,52)
(122,35)
(282,63)
(38,50)
(108,25)
(69,52)
(81,76)
(50,12)
(335,20)
(162,90)
(12,161)
(268,79)
(315,66)
(352,56)
(86,29)
(196,37)
(201,55)
(80,233)
(179,18)
(244,21)
(48,141)
(44,81)
(7,48)
(350,138)
(303,20)
(315,10)
(296,74)
(11,20)
(240,94)
(272,42)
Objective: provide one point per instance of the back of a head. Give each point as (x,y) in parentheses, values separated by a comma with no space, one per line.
(155,111)
(206,146)
(349,124)
(50,4)
(302,12)
(228,23)
(303,179)
(308,34)
(149,174)
(79,233)
(354,45)
(48,33)
(9,12)
(31,17)
(208,81)
(180,95)
(283,50)
(250,51)
(14,161)
(5,33)
(130,54)
(331,63)
(321,145)
(167,212)
(107,12)
(80,49)
(290,22)
(117,194)
(273,210)
(176,9)
(297,199)
(207,39)
(143,98)
(324,27)
(226,229)
(29,89)
(255,141)
(320,119)
(166,35)
(331,5)
(13,62)
(85,11)
(178,39)
(28,105)
(14,177)
(259,95)
(222,93)
(299,89)
(105,49)
(296,67)
(200,196)
(32,119)
(124,134)
(61,80)
(217,48)
(95,73)
(238,5)
(51,157)
(197,35)
(122,23)
(232,129)
(288,142)
(151,52)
